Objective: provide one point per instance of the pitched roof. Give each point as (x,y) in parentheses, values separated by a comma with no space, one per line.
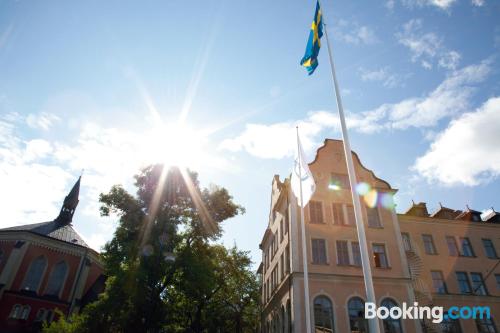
(52,229)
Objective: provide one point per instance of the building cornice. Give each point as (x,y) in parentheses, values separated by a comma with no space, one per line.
(50,243)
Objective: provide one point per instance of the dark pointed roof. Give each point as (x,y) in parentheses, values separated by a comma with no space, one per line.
(69,206)
(61,227)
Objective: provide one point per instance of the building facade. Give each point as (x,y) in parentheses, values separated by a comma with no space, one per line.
(44,267)
(402,271)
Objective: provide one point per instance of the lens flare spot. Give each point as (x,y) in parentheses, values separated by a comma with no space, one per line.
(363,188)
(387,200)
(371,198)
(334,187)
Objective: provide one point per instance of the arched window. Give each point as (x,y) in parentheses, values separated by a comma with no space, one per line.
(357,321)
(34,275)
(57,278)
(391,325)
(485,325)
(40,315)
(1,260)
(26,312)
(15,313)
(323,314)
(289,316)
(283,320)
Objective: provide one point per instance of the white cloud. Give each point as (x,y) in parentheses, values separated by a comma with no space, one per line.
(450,98)
(426,47)
(384,75)
(467,152)
(441,4)
(478,3)
(353,33)
(449,60)
(41,120)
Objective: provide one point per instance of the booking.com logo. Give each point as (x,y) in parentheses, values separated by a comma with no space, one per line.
(436,313)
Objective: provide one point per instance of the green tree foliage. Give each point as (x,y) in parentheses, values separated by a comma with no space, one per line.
(165,274)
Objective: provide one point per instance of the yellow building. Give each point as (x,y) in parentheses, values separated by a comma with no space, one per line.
(402,271)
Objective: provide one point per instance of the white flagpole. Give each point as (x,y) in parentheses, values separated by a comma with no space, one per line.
(365,258)
(304,248)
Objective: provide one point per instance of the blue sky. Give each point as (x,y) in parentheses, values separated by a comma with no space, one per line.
(110,86)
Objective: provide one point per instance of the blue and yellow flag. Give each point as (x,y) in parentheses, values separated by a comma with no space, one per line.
(310,59)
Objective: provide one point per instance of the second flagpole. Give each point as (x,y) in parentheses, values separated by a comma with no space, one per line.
(304,243)
(365,258)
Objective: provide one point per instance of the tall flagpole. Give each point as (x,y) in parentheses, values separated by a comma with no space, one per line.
(365,259)
(304,248)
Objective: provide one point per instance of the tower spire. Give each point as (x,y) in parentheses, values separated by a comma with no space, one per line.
(69,206)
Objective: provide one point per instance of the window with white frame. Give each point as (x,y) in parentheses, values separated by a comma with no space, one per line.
(342,252)
(318,251)
(316,212)
(380,256)
(373,217)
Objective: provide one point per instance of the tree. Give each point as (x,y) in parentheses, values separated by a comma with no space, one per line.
(164,273)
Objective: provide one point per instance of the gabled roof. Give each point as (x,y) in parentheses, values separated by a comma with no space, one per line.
(52,229)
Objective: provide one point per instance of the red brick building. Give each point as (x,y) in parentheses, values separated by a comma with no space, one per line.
(43,267)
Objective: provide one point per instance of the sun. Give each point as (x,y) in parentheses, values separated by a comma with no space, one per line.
(176,144)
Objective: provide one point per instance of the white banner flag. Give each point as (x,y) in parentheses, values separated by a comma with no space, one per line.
(302,174)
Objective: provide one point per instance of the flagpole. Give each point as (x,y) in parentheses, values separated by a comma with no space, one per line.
(365,258)
(304,243)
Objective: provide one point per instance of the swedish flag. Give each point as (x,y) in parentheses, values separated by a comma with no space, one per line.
(310,59)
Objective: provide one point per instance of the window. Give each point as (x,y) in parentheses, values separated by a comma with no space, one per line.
(34,274)
(281,230)
(287,259)
(438,282)
(356,255)
(391,325)
(351,218)
(373,218)
(40,315)
(429,244)
(478,286)
(57,278)
(338,214)
(489,248)
(406,241)
(339,181)
(449,325)
(452,246)
(323,315)
(25,312)
(316,212)
(319,251)
(485,325)
(15,313)
(342,253)
(380,256)
(357,321)
(497,278)
(463,282)
(286,220)
(466,247)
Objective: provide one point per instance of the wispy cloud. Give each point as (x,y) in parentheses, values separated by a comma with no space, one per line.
(478,3)
(467,151)
(426,47)
(383,75)
(441,4)
(448,99)
(353,33)
(42,120)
